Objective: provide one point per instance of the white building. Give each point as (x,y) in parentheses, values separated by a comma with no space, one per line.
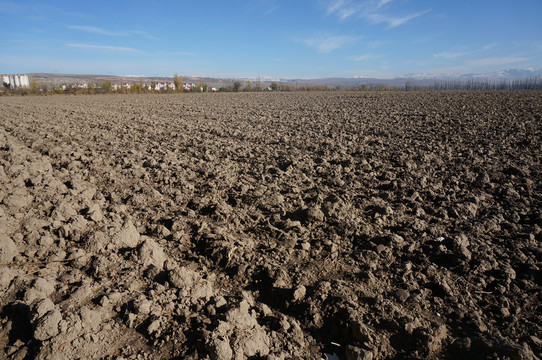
(16,81)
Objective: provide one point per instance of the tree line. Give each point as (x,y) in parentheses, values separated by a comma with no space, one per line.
(529,83)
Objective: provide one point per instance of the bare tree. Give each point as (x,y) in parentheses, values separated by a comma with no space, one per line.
(106,85)
(178,81)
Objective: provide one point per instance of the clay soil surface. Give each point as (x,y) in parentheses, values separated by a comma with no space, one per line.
(339,225)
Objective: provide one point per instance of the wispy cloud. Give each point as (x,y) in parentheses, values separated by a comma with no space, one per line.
(105,47)
(364,57)
(348,8)
(10,7)
(271,10)
(376,44)
(458,54)
(326,43)
(450,55)
(374,11)
(342,8)
(102,31)
(394,21)
(37,10)
(496,61)
(185,53)
(489,46)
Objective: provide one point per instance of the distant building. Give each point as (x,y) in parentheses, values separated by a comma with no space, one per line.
(15,81)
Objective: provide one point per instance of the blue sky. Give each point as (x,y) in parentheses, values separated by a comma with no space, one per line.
(275,38)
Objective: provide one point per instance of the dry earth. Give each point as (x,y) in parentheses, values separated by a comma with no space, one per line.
(280,225)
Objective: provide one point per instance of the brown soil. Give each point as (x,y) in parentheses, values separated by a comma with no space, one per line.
(349,225)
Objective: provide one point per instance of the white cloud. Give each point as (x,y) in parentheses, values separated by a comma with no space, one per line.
(375,11)
(271,10)
(496,61)
(267,6)
(450,55)
(343,8)
(363,57)
(327,43)
(453,55)
(393,21)
(102,31)
(489,46)
(10,7)
(104,47)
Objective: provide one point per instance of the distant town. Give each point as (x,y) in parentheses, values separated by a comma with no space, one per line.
(159,86)
(22,82)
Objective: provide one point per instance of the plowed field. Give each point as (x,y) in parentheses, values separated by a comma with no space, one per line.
(340,225)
